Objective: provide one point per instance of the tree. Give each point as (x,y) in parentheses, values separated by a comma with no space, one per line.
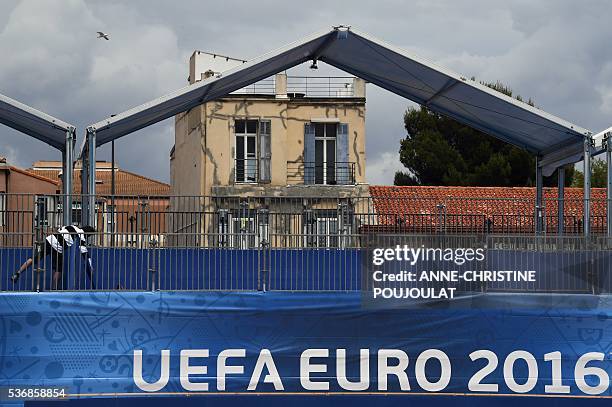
(599,175)
(441,151)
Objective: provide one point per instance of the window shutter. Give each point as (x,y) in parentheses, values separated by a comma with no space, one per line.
(309,153)
(343,176)
(265,151)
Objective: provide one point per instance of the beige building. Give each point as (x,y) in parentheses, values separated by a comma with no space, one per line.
(300,138)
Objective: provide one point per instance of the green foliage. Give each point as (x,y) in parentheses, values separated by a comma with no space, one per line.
(599,175)
(440,151)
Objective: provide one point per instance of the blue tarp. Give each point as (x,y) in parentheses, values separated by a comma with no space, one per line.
(198,269)
(290,269)
(86,341)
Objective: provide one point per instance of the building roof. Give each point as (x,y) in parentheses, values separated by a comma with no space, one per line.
(441,90)
(126,183)
(40,177)
(6,166)
(411,205)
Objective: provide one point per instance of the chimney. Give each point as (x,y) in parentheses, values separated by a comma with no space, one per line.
(203,65)
(359,88)
(280,86)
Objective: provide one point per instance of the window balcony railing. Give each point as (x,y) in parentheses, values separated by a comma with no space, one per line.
(338,173)
(246,170)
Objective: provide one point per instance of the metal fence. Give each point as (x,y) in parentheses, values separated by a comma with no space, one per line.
(305,86)
(324,86)
(282,243)
(305,216)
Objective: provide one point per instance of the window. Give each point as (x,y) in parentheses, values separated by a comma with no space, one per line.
(253,150)
(77,214)
(2,209)
(243,228)
(47,212)
(328,227)
(246,150)
(111,219)
(325,153)
(321,228)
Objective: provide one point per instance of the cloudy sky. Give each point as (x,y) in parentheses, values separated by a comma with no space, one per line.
(554,51)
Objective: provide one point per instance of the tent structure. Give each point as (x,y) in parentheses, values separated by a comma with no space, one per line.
(552,140)
(603,144)
(47,129)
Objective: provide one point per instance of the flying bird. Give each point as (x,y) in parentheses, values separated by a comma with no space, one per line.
(102,35)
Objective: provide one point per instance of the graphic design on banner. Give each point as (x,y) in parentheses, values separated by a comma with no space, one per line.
(103,343)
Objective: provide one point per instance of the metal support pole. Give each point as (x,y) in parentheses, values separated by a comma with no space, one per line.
(112,212)
(84,185)
(539,201)
(587,186)
(561,201)
(62,177)
(608,144)
(91,177)
(67,176)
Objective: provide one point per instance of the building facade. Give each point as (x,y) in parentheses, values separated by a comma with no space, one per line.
(20,208)
(301,139)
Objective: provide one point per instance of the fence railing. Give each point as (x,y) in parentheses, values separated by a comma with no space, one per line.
(566,264)
(305,86)
(336,173)
(315,86)
(262,87)
(282,243)
(298,218)
(246,170)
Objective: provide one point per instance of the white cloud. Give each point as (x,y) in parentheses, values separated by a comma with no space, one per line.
(551,50)
(381,168)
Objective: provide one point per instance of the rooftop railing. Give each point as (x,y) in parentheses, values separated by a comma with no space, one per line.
(305,86)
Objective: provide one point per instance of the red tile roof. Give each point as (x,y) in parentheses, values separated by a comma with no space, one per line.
(34,175)
(509,209)
(126,183)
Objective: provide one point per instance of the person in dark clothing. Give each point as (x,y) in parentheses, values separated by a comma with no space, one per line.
(56,246)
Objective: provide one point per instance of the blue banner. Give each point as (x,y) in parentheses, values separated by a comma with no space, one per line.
(115,344)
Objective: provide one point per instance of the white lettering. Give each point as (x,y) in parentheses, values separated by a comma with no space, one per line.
(399,370)
(187,370)
(163,377)
(306,369)
(223,369)
(364,370)
(265,360)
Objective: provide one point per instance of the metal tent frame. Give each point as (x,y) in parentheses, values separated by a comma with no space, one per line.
(48,129)
(554,141)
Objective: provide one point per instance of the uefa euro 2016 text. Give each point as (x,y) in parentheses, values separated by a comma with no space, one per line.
(392,367)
